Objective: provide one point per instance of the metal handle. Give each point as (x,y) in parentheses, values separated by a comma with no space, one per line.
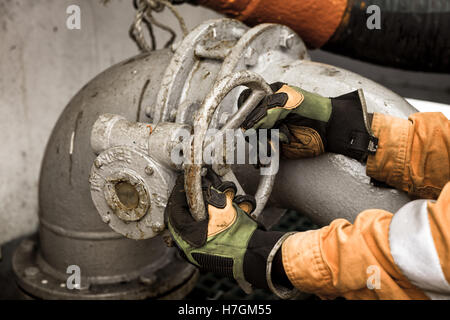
(192,182)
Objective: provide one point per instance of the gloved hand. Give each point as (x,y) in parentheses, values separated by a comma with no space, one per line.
(229,242)
(311,124)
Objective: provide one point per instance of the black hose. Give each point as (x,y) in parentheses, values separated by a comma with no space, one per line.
(414,34)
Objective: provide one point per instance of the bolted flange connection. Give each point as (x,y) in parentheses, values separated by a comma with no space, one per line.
(130,188)
(130,200)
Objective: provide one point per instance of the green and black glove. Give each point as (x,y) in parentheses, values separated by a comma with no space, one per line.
(311,124)
(229,242)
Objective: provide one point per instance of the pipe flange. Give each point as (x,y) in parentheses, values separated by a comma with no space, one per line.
(257,50)
(207,41)
(130,201)
(262,46)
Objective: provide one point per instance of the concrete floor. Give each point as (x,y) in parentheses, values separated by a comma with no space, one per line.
(43,64)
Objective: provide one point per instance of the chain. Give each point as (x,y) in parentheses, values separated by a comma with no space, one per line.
(145,8)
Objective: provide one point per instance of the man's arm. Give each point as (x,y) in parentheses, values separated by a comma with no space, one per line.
(337,260)
(413,155)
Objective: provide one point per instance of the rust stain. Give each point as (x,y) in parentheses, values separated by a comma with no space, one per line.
(190,175)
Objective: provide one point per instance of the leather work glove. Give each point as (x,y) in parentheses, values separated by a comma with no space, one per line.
(310,124)
(229,242)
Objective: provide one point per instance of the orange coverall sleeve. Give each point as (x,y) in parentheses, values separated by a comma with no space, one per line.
(338,260)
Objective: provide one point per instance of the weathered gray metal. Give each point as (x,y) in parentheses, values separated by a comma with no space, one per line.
(215,49)
(134,173)
(138,155)
(71,230)
(187,67)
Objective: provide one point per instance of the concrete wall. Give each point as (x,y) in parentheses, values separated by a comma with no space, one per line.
(43,64)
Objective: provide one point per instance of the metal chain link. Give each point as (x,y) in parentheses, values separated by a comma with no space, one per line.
(145,8)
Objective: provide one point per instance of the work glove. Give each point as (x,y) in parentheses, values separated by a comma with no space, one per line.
(310,124)
(229,242)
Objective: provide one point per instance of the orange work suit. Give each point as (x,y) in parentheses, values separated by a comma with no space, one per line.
(341,259)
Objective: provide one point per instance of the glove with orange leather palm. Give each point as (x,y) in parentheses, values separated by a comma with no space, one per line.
(229,242)
(310,124)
